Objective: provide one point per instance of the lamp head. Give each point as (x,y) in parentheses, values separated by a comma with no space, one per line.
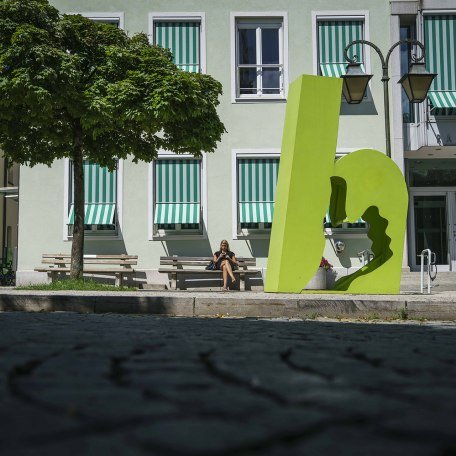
(416,82)
(355,83)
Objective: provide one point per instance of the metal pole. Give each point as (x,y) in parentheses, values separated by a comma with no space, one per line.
(385,80)
(422,272)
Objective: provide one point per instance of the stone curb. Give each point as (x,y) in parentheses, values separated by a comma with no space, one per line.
(242,307)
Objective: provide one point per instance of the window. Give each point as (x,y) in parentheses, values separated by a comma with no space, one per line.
(327,224)
(177,196)
(407,32)
(100,196)
(183,38)
(256,188)
(259,58)
(333,36)
(115,19)
(110,21)
(440,44)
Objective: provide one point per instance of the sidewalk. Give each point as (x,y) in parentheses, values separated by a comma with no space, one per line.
(437,306)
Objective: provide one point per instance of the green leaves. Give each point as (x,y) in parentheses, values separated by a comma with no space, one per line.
(128,96)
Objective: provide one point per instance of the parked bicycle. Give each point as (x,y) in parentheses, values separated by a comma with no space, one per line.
(7,274)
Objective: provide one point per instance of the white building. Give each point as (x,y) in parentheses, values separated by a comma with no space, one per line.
(185,206)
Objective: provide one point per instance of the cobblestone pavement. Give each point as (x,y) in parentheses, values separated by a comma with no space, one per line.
(73,384)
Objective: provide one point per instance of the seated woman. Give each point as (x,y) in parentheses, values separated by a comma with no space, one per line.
(225,261)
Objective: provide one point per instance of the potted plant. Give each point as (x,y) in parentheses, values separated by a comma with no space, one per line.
(318,281)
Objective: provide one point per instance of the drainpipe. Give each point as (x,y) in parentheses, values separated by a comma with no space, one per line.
(5,184)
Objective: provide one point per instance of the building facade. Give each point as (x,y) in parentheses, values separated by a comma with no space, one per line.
(185,206)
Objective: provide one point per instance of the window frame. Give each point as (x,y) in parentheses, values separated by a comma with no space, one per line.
(258,19)
(182,17)
(237,154)
(176,235)
(94,235)
(120,16)
(339,16)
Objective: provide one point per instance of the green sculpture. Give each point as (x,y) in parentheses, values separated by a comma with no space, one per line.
(365,183)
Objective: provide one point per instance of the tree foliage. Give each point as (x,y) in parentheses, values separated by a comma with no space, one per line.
(71,87)
(128,96)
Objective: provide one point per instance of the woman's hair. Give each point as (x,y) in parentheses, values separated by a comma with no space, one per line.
(225,242)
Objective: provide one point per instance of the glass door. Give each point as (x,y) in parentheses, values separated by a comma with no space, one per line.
(452,229)
(430,213)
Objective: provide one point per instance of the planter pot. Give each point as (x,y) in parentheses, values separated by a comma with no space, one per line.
(318,281)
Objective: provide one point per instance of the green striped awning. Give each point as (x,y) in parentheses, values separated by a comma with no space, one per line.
(333,37)
(100,185)
(334,70)
(100,194)
(443,101)
(256,212)
(183,39)
(440,45)
(177,213)
(95,214)
(257,181)
(177,191)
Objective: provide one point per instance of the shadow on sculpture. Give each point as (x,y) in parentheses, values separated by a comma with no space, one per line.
(365,183)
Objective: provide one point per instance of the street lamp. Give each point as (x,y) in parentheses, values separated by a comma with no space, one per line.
(416,82)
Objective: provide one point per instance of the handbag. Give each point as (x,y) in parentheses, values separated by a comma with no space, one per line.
(211,266)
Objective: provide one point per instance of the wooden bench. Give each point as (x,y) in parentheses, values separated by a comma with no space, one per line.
(177,263)
(119,265)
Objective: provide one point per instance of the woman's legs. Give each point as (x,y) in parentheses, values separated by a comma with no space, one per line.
(225,273)
(230,270)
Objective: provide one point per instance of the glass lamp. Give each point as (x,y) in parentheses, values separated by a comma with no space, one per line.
(355,83)
(416,82)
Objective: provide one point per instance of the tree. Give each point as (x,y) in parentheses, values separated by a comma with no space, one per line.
(70,87)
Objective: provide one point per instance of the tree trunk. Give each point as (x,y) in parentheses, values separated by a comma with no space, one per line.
(77,247)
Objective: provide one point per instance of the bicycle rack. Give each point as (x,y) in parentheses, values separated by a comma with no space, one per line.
(431,259)
(366,255)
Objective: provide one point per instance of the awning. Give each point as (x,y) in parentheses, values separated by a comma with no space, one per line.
(177,213)
(259,212)
(95,214)
(335,70)
(442,99)
(182,38)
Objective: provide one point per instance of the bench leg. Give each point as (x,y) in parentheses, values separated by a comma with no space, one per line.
(119,279)
(241,282)
(173,281)
(53,276)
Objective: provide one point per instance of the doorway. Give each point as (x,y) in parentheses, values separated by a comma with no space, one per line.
(433,226)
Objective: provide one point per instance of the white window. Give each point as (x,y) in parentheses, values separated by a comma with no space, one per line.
(102,205)
(183,35)
(177,192)
(255,174)
(116,19)
(332,31)
(259,57)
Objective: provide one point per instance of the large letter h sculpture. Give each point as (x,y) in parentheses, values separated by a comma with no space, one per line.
(365,183)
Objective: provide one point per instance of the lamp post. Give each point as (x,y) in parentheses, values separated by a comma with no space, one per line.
(416,82)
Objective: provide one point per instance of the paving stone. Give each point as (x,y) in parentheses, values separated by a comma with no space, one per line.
(88,384)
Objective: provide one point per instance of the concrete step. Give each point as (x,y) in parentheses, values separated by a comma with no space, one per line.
(445,281)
